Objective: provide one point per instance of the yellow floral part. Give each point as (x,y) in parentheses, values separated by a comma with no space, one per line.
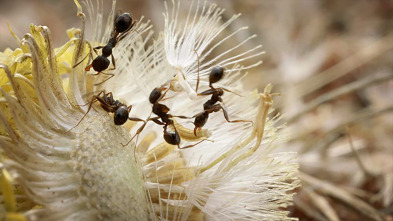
(8,193)
(19,60)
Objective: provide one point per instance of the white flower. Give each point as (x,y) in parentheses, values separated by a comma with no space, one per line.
(86,173)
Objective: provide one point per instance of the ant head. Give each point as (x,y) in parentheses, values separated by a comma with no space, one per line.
(155,94)
(121,115)
(123,22)
(100,63)
(172,138)
(216,74)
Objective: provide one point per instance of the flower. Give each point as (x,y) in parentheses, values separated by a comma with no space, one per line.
(63,172)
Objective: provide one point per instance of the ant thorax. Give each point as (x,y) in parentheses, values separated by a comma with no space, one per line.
(107,50)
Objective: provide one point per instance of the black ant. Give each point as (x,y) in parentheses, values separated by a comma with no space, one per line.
(122,25)
(211,105)
(120,110)
(163,118)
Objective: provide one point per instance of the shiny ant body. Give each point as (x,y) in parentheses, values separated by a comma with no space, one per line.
(110,105)
(211,105)
(164,118)
(122,25)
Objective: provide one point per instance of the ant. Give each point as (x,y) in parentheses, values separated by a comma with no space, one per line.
(110,105)
(211,105)
(122,25)
(163,118)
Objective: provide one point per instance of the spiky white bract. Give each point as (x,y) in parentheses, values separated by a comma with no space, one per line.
(189,43)
(72,175)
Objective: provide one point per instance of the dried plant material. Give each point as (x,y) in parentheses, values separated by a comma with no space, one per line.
(367,54)
(362,83)
(323,205)
(387,189)
(308,209)
(341,195)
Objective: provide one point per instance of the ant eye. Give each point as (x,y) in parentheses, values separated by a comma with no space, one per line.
(216,74)
(121,115)
(123,22)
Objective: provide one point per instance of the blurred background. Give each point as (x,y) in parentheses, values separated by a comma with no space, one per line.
(332,61)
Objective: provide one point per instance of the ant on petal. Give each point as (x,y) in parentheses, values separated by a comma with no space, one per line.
(110,105)
(211,105)
(163,118)
(122,25)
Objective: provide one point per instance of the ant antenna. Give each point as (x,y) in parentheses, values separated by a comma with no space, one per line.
(197,84)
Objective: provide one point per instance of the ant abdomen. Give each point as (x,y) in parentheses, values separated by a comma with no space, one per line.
(123,22)
(201,119)
(172,138)
(155,94)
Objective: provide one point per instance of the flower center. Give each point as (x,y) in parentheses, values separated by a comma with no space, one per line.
(109,175)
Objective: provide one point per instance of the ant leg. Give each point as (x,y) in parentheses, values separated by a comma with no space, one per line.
(91,56)
(232,92)
(82,105)
(163,95)
(93,100)
(111,76)
(113,62)
(136,119)
(195,144)
(164,99)
(110,95)
(129,108)
(226,115)
(197,84)
(207,92)
(81,62)
(95,73)
(140,129)
(108,98)
(157,121)
(180,116)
